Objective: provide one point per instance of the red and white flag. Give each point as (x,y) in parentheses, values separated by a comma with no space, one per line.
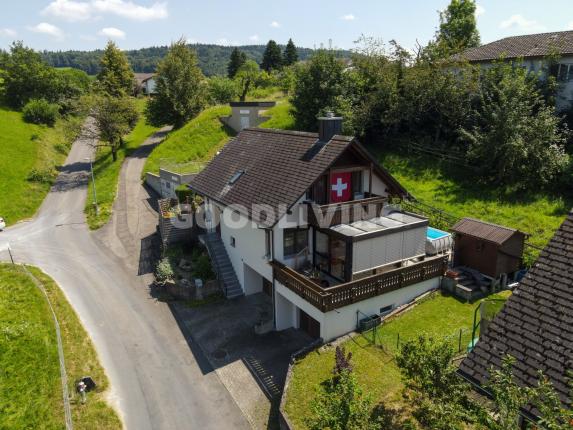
(340,187)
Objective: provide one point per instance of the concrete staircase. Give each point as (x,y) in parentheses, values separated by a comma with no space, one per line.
(222,265)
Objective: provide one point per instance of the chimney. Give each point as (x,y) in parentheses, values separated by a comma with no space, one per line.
(328,126)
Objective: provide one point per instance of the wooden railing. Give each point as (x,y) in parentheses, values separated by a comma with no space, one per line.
(325,216)
(328,299)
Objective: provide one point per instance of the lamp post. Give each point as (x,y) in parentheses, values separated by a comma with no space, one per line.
(94,184)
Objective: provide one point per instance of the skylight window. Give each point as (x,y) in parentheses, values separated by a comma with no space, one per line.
(236,177)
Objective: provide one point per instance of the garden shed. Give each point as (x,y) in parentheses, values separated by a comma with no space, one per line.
(489,248)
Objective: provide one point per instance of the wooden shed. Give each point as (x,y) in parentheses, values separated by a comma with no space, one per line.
(489,248)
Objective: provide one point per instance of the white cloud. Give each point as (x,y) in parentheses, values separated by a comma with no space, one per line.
(275,24)
(73,11)
(570,25)
(112,33)
(480,10)
(348,17)
(49,29)
(520,23)
(8,32)
(254,38)
(69,10)
(128,9)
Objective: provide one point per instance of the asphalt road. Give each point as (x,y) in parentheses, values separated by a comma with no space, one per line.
(158,378)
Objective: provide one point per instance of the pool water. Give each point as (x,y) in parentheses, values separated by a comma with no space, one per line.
(434,233)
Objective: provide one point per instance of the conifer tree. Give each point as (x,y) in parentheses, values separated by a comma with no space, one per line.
(236,60)
(272,57)
(290,55)
(116,77)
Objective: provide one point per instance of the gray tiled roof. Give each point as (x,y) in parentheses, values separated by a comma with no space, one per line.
(536,324)
(276,172)
(529,45)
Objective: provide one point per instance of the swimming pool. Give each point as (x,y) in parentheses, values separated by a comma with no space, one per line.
(434,233)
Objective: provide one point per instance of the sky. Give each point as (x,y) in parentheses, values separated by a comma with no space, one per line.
(88,24)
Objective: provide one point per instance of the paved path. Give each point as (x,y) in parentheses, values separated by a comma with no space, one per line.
(158,378)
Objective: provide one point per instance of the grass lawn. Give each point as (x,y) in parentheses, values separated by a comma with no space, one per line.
(24,148)
(454,191)
(106,171)
(30,384)
(280,117)
(438,316)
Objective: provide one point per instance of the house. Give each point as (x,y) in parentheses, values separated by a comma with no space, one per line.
(246,114)
(305,218)
(145,83)
(531,51)
(536,324)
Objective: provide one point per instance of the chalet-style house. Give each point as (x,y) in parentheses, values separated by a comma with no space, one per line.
(305,217)
(145,83)
(531,51)
(536,324)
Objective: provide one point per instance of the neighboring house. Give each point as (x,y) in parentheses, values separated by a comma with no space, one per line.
(305,218)
(532,51)
(536,324)
(145,83)
(167,182)
(246,114)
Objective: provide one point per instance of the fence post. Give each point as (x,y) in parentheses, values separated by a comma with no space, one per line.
(398,341)
(460,342)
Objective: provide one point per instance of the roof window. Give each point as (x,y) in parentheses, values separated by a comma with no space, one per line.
(236,177)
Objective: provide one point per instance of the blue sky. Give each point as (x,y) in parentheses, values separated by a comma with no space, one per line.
(88,24)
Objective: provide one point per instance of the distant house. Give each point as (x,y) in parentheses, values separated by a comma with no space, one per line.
(306,219)
(536,324)
(530,51)
(145,83)
(246,114)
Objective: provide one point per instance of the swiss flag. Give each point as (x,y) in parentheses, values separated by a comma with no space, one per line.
(340,187)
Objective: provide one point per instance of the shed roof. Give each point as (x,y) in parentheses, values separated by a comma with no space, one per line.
(276,171)
(536,324)
(484,230)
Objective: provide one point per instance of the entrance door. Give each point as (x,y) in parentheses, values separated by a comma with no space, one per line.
(309,324)
(267,287)
(245,122)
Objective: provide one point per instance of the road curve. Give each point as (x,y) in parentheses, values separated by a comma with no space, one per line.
(158,378)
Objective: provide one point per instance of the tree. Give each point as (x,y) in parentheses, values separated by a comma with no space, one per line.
(321,85)
(222,90)
(247,77)
(237,59)
(458,27)
(25,77)
(272,57)
(115,78)
(342,405)
(290,55)
(114,117)
(181,92)
(516,140)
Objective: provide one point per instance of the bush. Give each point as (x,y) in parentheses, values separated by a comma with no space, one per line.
(222,90)
(184,194)
(202,268)
(164,271)
(44,176)
(40,111)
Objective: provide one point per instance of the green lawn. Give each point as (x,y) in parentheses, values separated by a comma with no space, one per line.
(24,148)
(106,171)
(30,384)
(439,316)
(454,191)
(281,117)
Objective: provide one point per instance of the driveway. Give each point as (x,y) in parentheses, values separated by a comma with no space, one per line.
(159,379)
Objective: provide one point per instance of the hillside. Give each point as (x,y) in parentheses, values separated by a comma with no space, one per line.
(213,59)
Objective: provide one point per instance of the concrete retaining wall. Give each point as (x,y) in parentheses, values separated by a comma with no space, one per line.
(153,181)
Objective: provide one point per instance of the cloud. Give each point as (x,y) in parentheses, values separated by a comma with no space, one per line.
(570,25)
(520,23)
(112,33)
(254,38)
(74,11)
(275,24)
(69,10)
(480,10)
(8,32)
(49,29)
(348,17)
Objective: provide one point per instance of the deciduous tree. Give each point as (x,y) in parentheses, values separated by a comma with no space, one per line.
(247,78)
(458,27)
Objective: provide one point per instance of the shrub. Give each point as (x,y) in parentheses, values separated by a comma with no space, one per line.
(40,111)
(44,176)
(222,90)
(184,194)
(164,271)
(202,268)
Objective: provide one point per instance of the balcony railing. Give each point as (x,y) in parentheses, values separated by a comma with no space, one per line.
(328,299)
(325,216)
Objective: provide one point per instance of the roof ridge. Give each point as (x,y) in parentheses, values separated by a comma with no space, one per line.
(490,223)
(339,137)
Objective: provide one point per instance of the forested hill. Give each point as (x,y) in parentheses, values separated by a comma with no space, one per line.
(213,59)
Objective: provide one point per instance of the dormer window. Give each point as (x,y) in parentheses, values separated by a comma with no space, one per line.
(236,177)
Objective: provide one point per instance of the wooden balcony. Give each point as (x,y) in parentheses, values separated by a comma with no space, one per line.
(325,216)
(328,299)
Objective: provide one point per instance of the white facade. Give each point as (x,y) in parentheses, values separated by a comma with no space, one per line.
(344,320)
(149,86)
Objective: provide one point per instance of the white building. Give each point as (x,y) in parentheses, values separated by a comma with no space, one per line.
(145,83)
(305,218)
(532,51)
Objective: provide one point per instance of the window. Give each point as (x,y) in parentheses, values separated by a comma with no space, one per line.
(318,191)
(563,72)
(268,243)
(167,184)
(295,240)
(236,177)
(232,241)
(357,184)
(386,310)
